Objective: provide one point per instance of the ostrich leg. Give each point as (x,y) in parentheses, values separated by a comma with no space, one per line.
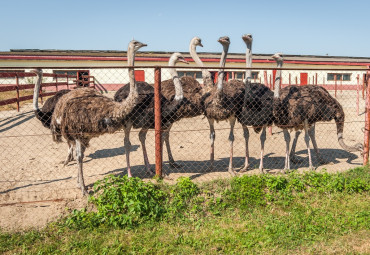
(142,138)
(263,139)
(311,133)
(80,149)
(69,157)
(127,145)
(166,137)
(246,138)
(212,136)
(287,142)
(231,140)
(292,155)
(307,141)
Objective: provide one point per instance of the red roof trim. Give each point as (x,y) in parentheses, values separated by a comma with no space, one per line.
(165,59)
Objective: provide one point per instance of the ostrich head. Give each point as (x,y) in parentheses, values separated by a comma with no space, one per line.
(177,57)
(37,71)
(196,41)
(247,38)
(136,45)
(224,40)
(278,57)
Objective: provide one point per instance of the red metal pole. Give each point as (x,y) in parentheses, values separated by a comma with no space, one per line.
(265,78)
(335,85)
(367,123)
(316,79)
(157,122)
(17,81)
(296,80)
(341,84)
(290,80)
(358,94)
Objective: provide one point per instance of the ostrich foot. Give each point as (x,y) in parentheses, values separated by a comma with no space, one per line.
(284,171)
(294,159)
(232,172)
(84,191)
(244,169)
(150,172)
(312,168)
(173,164)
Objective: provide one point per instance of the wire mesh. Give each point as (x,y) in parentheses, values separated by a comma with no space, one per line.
(32,163)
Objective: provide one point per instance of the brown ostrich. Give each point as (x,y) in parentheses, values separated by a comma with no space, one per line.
(256,110)
(300,107)
(44,114)
(221,103)
(143,114)
(193,92)
(83,114)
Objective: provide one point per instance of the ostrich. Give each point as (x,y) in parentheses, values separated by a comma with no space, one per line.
(143,114)
(300,107)
(44,114)
(256,110)
(193,92)
(83,114)
(221,103)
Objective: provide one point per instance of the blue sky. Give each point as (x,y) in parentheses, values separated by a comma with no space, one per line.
(315,27)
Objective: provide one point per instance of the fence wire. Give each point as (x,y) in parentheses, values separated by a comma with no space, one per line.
(32,164)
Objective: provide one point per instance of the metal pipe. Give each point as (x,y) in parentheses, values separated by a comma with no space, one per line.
(367,122)
(157,122)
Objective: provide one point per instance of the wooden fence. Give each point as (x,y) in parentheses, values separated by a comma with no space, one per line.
(47,88)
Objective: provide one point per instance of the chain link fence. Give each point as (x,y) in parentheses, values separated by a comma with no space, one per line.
(32,164)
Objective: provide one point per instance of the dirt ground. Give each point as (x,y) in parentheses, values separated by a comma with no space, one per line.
(36,188)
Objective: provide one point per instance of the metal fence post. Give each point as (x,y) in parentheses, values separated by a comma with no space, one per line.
(17,81)
(367,122)
(157,122)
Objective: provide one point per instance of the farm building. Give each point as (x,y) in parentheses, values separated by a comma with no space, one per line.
(99,65)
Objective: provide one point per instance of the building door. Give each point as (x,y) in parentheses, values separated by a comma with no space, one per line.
(139,75)
(304,78)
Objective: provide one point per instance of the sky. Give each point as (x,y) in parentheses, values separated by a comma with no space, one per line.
(302,27)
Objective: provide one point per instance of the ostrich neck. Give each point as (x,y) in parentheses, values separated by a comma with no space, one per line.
(131,71)
(36,92)
(193,53)
(248,62)
(179,95)
(221,72)
(278,80)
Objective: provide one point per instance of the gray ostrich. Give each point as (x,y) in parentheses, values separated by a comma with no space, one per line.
(193,91)
(256,110)
(300,107)
(221,103)
(142,116)
(83,114)
(44,114)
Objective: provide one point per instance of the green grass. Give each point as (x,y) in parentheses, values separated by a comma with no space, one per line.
(313,213)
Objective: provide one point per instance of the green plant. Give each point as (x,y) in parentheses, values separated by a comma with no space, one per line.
(121,202)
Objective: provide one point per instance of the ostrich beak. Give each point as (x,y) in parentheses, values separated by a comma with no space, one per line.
(183,60)
(200,44)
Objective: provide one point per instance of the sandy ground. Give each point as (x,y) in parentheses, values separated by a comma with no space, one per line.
(36,188)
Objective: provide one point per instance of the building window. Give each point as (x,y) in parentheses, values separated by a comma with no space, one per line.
(339,76)
(67,72)
(255,75)
(238,75)
(195,75)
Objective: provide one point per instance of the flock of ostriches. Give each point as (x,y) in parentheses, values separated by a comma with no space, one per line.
(83,113)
